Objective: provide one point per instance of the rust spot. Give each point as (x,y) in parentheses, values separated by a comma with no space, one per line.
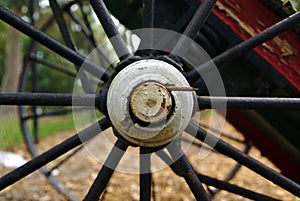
(192,176)
(151,102)
(163,103)
(169,108)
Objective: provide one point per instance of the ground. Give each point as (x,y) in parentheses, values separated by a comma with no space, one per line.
(78,173)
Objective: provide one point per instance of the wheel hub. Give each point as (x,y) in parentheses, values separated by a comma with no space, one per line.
(142,109)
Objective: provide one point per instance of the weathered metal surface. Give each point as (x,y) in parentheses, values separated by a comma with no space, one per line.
(149,115)
(151,102)
(283,52)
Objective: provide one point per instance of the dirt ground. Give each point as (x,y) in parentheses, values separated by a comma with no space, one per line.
(78,173)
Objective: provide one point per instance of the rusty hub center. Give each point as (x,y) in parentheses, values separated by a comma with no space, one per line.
(151,102)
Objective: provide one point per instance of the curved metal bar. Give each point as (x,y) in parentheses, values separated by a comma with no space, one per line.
(53,153)
(254,165)
(74,57)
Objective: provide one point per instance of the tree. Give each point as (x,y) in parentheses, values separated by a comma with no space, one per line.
(13,56)
(13,59)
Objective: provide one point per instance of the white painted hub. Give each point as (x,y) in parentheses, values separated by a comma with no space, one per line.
(139,92)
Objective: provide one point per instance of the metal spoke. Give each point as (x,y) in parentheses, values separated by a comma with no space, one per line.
(53,66)
(61,24)
(110,29)
(50,99)
(31,31)
(145,174)
(106,171)
(147,42)
(68,157)
(68,41)
(245,46)
(56,113)
(61,69)
(195,24)
(226,135)
(242,158)
(184,168)
(222,185)
(233,172)
(148,13)
(248,103)
(53,153)
(165,39)
(88,32)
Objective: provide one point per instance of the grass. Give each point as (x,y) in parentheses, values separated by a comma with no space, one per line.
(11,134)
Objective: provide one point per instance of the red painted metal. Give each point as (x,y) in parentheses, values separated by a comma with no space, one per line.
(247,18)
(268,148)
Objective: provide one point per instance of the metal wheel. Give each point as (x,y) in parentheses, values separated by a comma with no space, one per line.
(150,98)
(71,19)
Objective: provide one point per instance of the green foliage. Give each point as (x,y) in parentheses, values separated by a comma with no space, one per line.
(4,3)
(3,38)
(10,136)
(295,4)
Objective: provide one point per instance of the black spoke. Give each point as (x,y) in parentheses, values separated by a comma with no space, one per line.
(50,99)
(88,32)
(165,39)
(61,24)
(68,157)
(248,103)
(221,185)
(242,158)
(53,66)
(246,46)
(233,172)
(148,13)
(53,153)
(106,171)
(234,189)
(185,169)
(147,42)
(226,135)
(74,57)
(110,29)
(145,174)
(195,24)
(56,113)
